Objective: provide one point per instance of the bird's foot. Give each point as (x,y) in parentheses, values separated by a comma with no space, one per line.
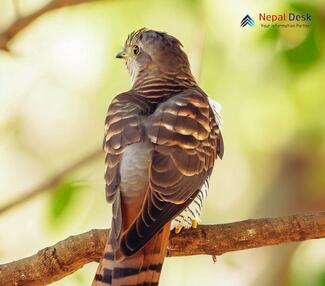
(178,228)
(194,223)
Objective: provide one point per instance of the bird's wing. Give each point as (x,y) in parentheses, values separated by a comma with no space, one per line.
(184,134)
(190,216)
(122,127)
(216,108)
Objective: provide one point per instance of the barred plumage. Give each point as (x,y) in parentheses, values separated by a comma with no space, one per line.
(191,215)
(161,141)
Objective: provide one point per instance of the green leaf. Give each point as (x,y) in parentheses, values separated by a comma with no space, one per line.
(306,53)
(61,201)
(321,279)
(309,51)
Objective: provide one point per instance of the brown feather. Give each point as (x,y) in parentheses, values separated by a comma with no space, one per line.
(168,111)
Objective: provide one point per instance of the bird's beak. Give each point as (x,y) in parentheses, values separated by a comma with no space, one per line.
(121,55)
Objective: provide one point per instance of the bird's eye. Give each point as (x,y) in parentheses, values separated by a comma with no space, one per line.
(135,50)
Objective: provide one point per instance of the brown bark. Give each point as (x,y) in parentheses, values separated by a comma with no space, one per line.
(21,22)
(55,262)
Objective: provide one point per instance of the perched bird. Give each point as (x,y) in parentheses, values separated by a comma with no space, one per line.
(161,141)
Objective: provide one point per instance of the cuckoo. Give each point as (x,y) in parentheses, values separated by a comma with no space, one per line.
(161,140)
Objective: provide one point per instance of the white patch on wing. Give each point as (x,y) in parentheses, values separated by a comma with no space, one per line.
(216,107)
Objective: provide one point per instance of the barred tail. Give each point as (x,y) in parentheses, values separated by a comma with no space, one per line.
(141,269)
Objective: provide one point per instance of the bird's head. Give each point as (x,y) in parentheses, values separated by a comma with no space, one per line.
(151,53)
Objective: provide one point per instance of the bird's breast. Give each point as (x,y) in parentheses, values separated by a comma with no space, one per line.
(134,169)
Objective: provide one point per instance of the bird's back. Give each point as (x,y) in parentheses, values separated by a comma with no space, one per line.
(161,141)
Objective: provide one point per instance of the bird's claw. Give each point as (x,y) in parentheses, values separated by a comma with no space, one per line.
(178,228)
(194,223)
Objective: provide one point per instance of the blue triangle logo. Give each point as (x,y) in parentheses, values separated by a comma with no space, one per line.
(247,20)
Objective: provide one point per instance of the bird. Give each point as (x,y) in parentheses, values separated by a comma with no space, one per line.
(161,140)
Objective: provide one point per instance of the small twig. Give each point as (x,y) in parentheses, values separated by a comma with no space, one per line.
(22,22)
(55,262)
(50,182)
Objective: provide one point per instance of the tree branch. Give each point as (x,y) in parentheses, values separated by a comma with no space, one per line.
(55,262)
(50,182)
(22,22)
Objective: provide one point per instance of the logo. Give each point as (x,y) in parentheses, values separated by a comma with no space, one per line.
(285,17)
(280,20)
(247,21)
(285,20)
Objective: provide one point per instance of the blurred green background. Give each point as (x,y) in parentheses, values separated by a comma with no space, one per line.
(61,74)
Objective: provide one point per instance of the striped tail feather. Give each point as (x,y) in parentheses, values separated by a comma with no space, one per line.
(104,270)
(141,269)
